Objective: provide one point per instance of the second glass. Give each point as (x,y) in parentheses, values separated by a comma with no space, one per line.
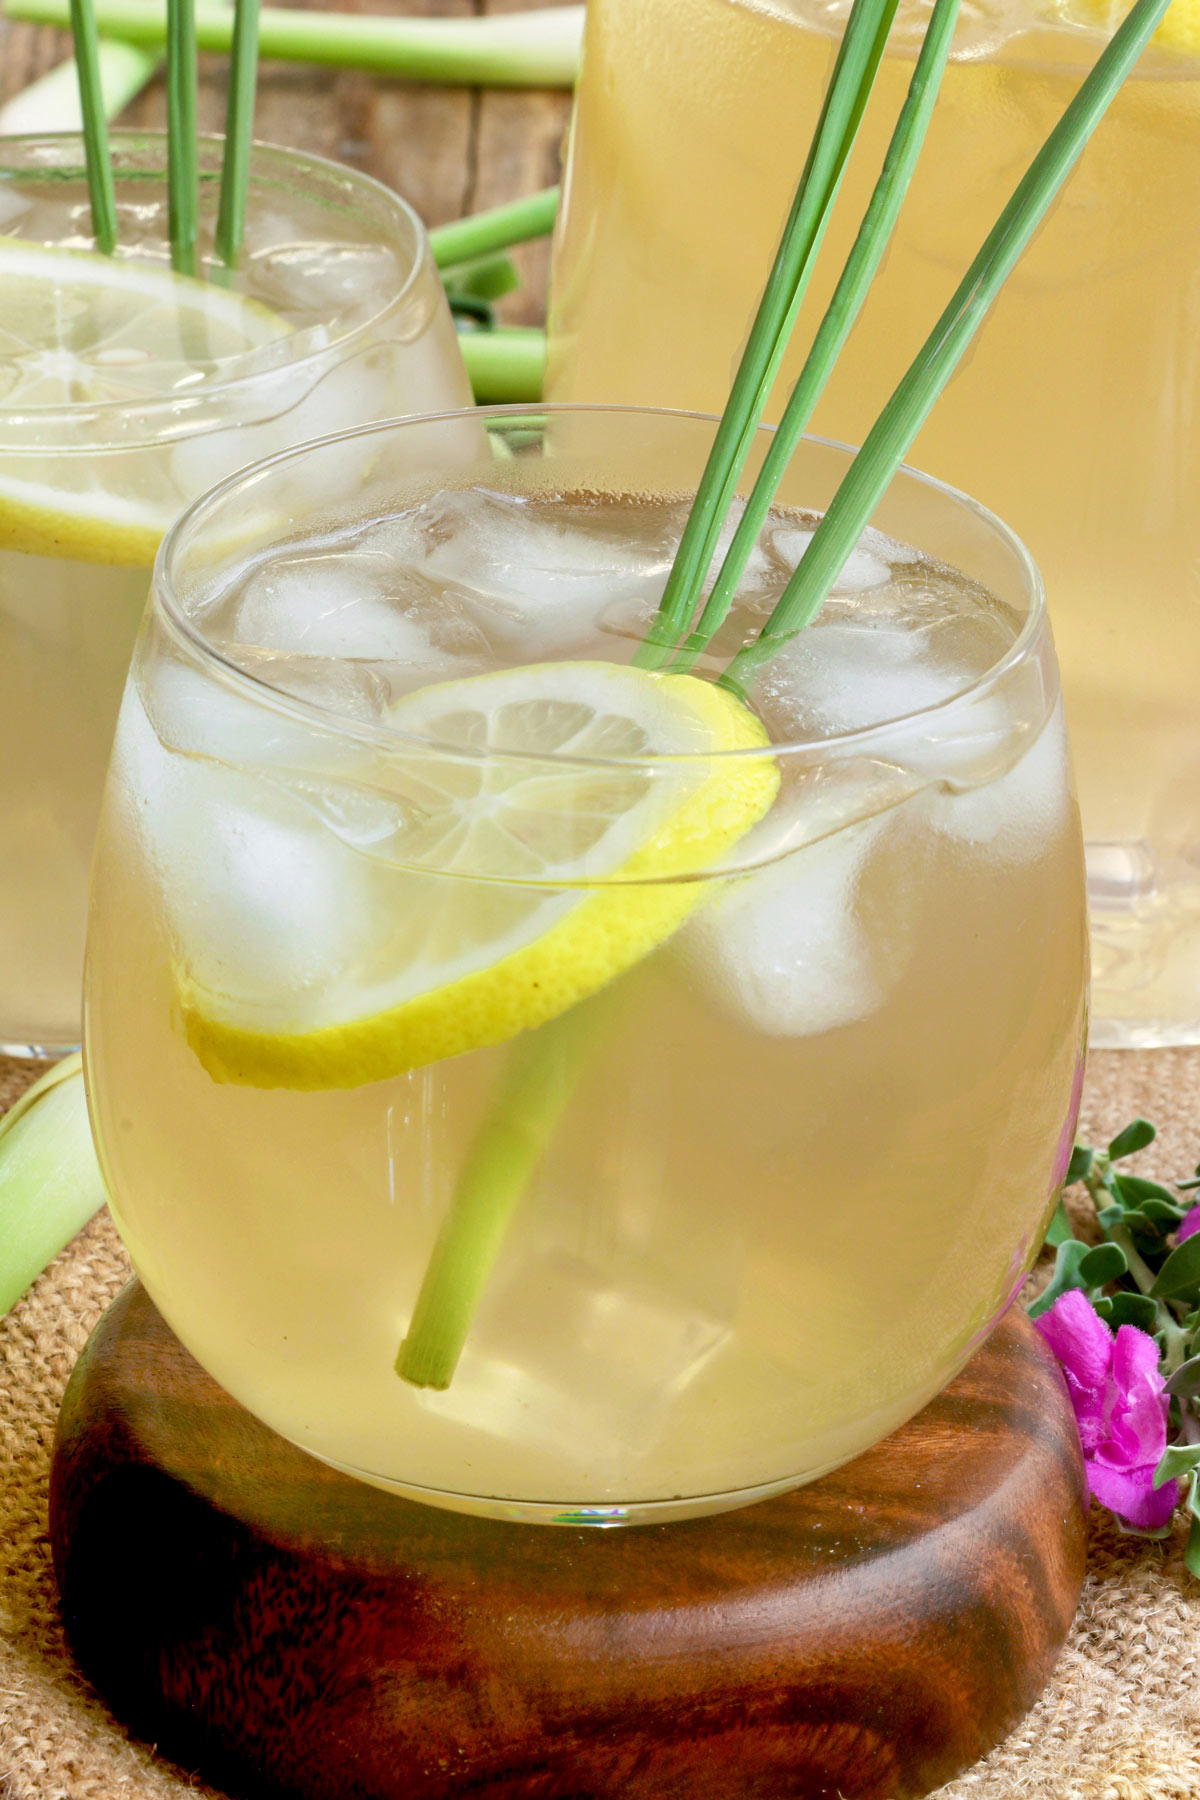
(124,395)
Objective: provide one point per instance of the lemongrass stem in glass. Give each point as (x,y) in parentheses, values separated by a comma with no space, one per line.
(239,132)
(858,58)
(537,1087)
(910,404)
(852,289)
(182,180)
(531,49)
(95,127)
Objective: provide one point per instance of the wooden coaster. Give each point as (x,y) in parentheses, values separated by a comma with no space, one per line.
(286,1631)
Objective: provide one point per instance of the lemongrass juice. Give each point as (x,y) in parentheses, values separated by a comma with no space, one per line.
(1077,416)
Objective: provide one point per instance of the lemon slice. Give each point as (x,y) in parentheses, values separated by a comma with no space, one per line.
(80,329)
(1180,29)
(557,872)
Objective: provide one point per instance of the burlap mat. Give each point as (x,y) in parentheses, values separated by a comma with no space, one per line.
(1120,1720)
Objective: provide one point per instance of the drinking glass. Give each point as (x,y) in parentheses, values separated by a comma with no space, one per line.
(549,1088)
(122,397)
(1076,417)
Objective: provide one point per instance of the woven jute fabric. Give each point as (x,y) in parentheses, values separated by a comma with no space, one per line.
(1119,1721)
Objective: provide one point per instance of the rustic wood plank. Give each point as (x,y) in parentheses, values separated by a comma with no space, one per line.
(518,149)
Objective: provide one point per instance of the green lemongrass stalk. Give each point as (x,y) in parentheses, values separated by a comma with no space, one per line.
(50,1182)
(505,365)
(490,278)
(465,240)
(182,176)
(239,133)
(848,297)
(858,58)
(541,1077)
(53,102)
(913,399)
(101,193)
(534,49)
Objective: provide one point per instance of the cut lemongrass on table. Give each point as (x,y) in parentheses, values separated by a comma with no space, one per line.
(95,127)
(239,132)
(50,1183)
(536,49)
(870,471)
(498,228)
(508,364)
(182,177)
(52,103)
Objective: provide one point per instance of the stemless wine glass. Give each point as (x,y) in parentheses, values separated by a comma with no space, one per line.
(125,394)
(551,1088)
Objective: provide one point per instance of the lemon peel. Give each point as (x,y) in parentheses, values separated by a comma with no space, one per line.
(607,931)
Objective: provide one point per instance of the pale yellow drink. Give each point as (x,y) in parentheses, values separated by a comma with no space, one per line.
(805,1142)
(1077,417)
(122,397)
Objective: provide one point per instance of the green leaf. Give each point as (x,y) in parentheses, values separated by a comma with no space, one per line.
(1080,1165)
(1059,1229)
(1102,1264)
(1125,1308)
(1176,1460)
(1162,1212)
(1136,1135)
(1180,1274)
(1191,1556)
(1186,1380)
(1138,1190)
(1111,1215)
(1066,1275)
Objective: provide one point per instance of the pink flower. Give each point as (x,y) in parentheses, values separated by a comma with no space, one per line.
(1190,1225)
(1120,1407)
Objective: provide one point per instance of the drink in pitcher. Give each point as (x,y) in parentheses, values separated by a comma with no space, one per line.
(1077,416)
(556,1089)
(125,391)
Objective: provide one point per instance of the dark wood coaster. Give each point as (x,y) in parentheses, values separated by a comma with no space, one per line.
(286,1631)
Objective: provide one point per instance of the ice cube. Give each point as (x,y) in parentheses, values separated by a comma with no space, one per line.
(323,280)
(782,950)
(261,902)
(360,604)
(864,568)
(836,677)
(533,579)
(1019,812)
(286,406)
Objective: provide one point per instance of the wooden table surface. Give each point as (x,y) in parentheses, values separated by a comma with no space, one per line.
(448,151)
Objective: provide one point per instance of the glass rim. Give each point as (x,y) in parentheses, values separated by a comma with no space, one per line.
(165,603)
(242,372)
